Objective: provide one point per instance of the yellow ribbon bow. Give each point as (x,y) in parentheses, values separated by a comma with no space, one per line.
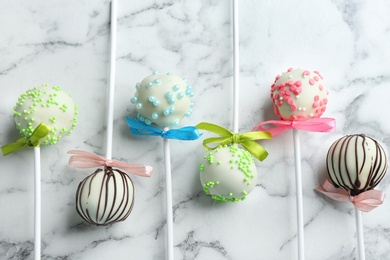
(37,136)
(228,137)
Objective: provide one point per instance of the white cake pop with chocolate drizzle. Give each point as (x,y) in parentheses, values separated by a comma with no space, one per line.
(356,163)
(105,197)
(163,99)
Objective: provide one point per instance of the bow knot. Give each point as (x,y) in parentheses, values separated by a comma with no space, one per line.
(311,125)
(236,138)
(84,159)
(247,140)
(141,129)
(37,136)
(365,201)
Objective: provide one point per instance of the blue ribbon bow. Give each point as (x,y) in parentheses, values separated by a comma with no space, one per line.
(139,128)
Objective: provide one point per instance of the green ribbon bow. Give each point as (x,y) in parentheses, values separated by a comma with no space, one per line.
(227,137)
(37,136)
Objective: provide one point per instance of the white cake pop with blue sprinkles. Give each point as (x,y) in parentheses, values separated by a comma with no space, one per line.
(163,99)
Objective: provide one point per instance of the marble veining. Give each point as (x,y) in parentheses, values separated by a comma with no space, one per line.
(66,43)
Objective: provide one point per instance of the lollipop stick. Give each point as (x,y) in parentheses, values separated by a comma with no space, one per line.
(168,184)
(111,95)
(236,66)
(37,199)
(298,183)
(360,238)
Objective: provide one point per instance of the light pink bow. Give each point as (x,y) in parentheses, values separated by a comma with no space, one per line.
(84,159)
(312,125)
(365,201)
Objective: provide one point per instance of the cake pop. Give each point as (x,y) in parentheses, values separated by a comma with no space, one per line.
(228,172)
(49,105)
(356,163)
(299,95)
(163,99)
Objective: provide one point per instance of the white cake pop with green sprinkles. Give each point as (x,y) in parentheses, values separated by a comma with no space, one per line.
(228,173)
(163,99)
(49,105)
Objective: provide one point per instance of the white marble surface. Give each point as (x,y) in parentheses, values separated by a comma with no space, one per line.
(66,43)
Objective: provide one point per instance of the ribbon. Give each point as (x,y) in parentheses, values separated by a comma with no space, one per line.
(365,201)
(227,137)
(312,125)
(84,159)
(37,136)
(139,128)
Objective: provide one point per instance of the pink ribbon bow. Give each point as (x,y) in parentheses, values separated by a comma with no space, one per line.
(365,201)
(312,125)
(84,159)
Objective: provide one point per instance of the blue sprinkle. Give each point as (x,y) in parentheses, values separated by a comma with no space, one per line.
(147,121)
(134,100)
(154,115)
(156,81)
(137,85)
(189,112)
(152,99)
(138,106)
(171,100)
(155,72)
(171,110)
(176,122)
(149,85)
(169,94)
(180,95)
(156,103)
(166,112)
(141,117)
(176,87)
(191,105)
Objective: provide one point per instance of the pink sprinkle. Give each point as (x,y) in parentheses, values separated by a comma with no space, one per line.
(280,103)
(325,101)
(277,77)
(290,101)
(286,97)
(315,104)
(316,98)
(301,117)
(323,109)
(306,73)
(288,92)
(294,118)
(299,90)
(283,84)
(293,107)
(293,87)
(276,97)
(312,82)
(316,78)
(321,87)
(290,82)
(298,83)
(318,73)
(290,69)
(282,93)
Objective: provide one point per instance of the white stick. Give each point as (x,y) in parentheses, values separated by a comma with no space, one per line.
(111,95)
(37,204)
(359,233)
(168,185)
(298,183)
(236,66)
